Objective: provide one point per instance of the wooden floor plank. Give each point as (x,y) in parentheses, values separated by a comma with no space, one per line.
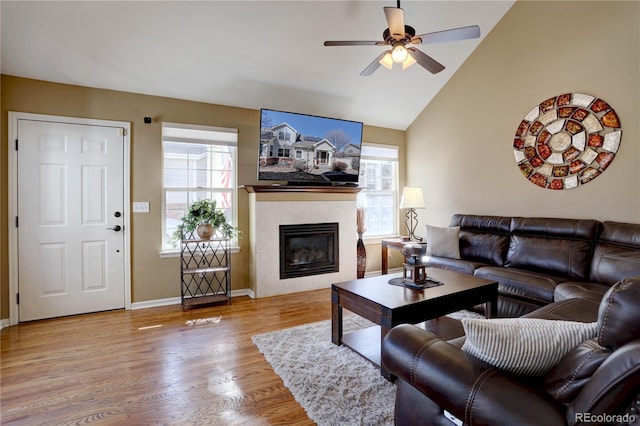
(153,366)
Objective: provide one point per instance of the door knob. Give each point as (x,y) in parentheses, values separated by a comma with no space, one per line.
(115,228)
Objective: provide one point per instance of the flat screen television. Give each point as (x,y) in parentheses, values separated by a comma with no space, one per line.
(305,149)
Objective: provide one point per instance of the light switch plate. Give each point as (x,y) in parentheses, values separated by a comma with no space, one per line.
(141,207)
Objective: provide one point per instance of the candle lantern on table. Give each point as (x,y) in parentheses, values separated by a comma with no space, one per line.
(414,270)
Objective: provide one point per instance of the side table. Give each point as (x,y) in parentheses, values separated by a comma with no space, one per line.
(394,243)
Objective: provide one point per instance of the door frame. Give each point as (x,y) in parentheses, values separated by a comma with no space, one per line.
(13,199)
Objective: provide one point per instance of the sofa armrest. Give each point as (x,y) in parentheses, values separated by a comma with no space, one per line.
(470,389)
(613,387)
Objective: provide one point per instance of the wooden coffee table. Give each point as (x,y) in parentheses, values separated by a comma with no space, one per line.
(388,305)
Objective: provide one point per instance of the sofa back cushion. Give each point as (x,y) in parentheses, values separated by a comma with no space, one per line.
(554,246)
(617,253)
(566,379)
(483,238)
(618,324)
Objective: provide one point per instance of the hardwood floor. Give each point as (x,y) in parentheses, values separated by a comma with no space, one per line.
(153,366)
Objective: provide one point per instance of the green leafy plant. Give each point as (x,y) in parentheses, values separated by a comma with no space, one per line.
(204,211)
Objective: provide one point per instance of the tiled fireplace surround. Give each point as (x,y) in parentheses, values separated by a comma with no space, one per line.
(272,206)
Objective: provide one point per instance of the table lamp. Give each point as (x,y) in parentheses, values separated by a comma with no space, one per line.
(411,200)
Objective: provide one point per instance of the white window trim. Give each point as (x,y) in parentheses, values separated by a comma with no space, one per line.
(376,239)
(230,140)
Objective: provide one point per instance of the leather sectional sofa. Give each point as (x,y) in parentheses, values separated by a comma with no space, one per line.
(596,383)
(537,261)
(556,269)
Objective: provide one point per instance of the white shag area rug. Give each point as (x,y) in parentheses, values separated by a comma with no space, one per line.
(334,385)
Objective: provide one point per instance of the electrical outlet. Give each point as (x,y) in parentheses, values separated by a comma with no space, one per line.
(141,207)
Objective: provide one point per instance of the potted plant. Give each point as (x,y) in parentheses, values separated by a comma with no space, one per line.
(203,218)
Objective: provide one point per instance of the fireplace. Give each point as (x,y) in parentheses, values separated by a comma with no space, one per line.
(273,206)
(308,249)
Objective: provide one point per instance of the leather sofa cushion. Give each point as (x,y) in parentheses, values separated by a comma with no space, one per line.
(611,387)
(456,265)
(568,258)
(612,263)
(513,307)
(487,248)
(482,224)
(483,238)
(578,290)
(566,379)
(626,234)
(463,385)
(579,229)
(522,283)
(571,309)
(617,254)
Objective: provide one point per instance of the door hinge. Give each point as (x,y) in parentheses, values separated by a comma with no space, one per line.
(17,298)
(16,221)
(123,131)
(16,144)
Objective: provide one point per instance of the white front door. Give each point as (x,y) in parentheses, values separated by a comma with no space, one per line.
(70,225)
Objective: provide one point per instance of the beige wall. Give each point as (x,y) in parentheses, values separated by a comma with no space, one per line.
(460,147)
(152,277)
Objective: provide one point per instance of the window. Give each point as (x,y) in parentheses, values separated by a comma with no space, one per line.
(379,180)
(284,152)
(284,136)
(199,162)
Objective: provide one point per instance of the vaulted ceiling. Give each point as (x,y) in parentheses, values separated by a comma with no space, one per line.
(248,54)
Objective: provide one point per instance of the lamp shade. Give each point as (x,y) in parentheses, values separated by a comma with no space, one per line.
(412,198)
(387,60)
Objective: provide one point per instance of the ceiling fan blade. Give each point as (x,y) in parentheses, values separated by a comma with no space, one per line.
(370,69)
(395,20)
(354,43)
(426,61)
(455,34)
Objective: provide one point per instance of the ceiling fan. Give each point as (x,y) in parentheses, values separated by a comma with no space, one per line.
(398,36)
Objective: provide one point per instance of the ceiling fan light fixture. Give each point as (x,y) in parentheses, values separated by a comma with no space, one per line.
(387,61)
(398,36)
(399,53)
(408,62)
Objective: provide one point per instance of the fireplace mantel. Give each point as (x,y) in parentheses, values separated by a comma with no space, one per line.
(294,188)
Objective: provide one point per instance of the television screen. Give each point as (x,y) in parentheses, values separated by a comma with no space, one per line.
(305,149)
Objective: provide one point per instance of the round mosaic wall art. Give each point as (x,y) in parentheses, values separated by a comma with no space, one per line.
(567,140)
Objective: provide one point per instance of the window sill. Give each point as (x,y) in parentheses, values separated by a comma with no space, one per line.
(175,253)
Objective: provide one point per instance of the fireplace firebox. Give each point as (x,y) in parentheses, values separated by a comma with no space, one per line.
(308,249)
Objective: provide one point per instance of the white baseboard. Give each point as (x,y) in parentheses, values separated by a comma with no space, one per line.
(155,303)
(176,300)
(159,302)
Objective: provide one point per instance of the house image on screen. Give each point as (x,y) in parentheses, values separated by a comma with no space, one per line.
(282,145)
(351,150)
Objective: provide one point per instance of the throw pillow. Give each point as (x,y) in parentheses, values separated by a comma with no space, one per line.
(443,242)
(524,346)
